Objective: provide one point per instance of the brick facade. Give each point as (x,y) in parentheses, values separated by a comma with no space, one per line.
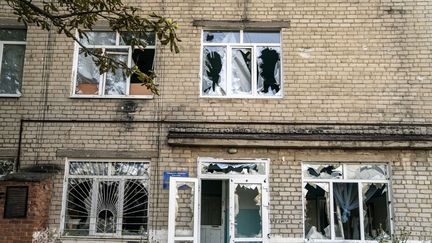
(357,80)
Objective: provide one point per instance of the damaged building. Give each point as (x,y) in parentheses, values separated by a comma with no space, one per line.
(278,121)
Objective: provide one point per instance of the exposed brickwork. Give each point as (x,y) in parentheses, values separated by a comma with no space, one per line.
(367,61)
(20,230)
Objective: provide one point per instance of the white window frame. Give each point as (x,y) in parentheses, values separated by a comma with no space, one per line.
(96,178)
(102,79)
(2,43)
(241,44)
(330,182)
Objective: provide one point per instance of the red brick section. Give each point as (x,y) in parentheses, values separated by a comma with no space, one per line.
(21,230)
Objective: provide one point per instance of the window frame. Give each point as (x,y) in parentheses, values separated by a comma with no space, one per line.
(359,182)
(229,46)
(98,178)
(2,43)
(102,79)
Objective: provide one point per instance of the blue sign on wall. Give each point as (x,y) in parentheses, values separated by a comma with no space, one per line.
(168,174)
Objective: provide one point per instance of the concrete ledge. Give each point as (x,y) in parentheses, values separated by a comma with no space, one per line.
(300,144)
(109,154)
(238,24)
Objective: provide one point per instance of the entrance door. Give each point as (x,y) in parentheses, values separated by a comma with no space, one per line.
(183,210)
(248,211)
(213,211)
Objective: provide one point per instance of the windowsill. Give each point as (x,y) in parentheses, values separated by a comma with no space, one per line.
(140,97)
(70,239)
(10,95)
(241,97)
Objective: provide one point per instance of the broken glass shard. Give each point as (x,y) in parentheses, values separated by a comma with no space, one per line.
(221,37)
(135,206)
(107,207)
(78,207)
(233,168)
(261,37)
(116,80)
(317,211)
(126,38)
(12,69)
(269,71)
(13,34)
(144,59)
(346,211)
(214,71)
(99,38)
(247,208)
(88,76)
(241,71)
(375,211)
(368,172)
(88,168)
(131,169)
(312,171)
(6,166)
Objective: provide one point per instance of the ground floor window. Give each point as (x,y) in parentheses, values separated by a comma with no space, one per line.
(105,198)
(346,201)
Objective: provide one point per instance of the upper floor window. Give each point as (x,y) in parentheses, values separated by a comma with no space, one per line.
(241,64)
(12,52)
(89,82)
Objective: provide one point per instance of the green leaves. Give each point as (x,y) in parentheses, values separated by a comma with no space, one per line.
(72,17)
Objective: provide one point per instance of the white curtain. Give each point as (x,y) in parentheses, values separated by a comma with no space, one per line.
(346,195)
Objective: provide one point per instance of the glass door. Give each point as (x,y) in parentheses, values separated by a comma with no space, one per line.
(248,211)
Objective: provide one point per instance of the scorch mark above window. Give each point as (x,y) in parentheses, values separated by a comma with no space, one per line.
(241,64)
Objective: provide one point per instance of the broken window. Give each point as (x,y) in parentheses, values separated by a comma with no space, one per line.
(241,64)
(247,209)
(106,198)
(346,201)
(6,166)
(89,82)
(233,168)
(12,52)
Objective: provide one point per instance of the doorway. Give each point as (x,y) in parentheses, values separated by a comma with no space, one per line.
(213,211)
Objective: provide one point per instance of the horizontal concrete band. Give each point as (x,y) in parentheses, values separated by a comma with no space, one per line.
(109,154)
(300,144)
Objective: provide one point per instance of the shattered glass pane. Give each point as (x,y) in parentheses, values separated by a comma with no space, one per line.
(126,38)
(6,166)
(13,34)
(88,168)
(12,65)
(247,209)
(346,211)
(312,171)
(214,71)
(241,71)
(115,83)
(78,207)
(144,59)
(269,71)
(107,207)
(131,169)
(233,168)
(261,37)
(369,172)
(99,38)
(375,211)
(88,76)
(135,207)
(184,212)
(317,211)
(221,37)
